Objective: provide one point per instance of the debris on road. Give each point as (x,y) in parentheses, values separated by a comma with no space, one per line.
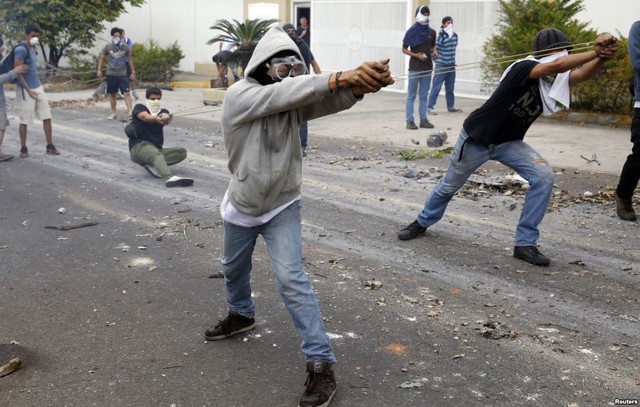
(69,227)
(10,367)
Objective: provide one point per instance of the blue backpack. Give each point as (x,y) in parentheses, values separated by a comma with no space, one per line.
(8,62)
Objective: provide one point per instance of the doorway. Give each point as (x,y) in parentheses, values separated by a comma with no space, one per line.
(301,10)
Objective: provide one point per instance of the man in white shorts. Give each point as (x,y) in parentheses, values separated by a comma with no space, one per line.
(30,94)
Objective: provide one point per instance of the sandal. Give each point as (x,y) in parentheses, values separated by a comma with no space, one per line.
(113,116)
(24,153)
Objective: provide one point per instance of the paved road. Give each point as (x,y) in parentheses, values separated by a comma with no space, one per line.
(113,314)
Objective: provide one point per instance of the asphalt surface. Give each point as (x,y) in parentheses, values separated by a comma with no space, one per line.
(113,312)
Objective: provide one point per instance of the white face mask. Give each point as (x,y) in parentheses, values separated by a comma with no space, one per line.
(422,19)
(449,30)
(34,41)
(153,106)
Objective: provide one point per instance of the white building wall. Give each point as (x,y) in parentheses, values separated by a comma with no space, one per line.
(347,32)
(184,21)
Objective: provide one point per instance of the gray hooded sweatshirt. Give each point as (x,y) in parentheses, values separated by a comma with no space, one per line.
(260,128)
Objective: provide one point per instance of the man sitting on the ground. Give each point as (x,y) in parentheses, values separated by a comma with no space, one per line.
(146,137)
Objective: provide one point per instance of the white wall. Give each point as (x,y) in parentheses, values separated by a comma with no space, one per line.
(184,21)
(611,16)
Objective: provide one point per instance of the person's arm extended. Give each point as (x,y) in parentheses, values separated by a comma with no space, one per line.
(590,62)
(149,118)
(369,77)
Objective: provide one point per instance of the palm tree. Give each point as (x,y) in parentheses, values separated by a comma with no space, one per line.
(245,35)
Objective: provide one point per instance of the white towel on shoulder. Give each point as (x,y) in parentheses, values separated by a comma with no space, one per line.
(555,92)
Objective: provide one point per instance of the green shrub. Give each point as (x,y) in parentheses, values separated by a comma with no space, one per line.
(154,63)
(607,92)
(518,24)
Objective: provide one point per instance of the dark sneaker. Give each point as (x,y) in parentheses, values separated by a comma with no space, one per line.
(454,110)
(151,170)
(625,208)
(412,126)
(176,181)
(24,152)
(233,324)
(320,385)
(531,254)
(412,231)
(424,124)
(52,150)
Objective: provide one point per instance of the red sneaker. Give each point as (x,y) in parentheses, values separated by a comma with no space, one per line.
(52,150)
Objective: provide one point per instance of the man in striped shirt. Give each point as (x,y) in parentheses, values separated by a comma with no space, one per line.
(445,69)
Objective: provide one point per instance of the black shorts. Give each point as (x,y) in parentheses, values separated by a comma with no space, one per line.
(115,83)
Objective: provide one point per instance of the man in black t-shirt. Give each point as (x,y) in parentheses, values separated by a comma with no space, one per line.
(146,139)
(495,131)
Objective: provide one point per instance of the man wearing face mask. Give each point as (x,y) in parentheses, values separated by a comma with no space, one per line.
(495,131)
(30,94)
(445,69)
(146,140)
(118,55)
(261,115)
(310,62)
(419,43)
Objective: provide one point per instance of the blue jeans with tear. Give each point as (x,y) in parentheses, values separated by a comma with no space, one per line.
(517,155)
(283,236)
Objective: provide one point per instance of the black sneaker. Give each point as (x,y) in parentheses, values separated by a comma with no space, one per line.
(233,324)
(454,110)
(425,124)
(412,231)
(411,126)
(320,385)
(531,254)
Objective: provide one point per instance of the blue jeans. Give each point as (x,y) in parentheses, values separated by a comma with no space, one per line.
(418,80)
(283,236)
(516,155)
(303,134)
(446,74)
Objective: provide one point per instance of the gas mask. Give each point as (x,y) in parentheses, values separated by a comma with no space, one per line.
(286,66)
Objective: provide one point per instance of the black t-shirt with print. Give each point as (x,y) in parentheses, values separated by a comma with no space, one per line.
(510,110)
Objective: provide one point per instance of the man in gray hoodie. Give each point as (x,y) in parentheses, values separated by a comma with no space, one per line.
(261,115)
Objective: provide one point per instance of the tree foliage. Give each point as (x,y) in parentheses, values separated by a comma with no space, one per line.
(518,24)
(68,26)
(245,35)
